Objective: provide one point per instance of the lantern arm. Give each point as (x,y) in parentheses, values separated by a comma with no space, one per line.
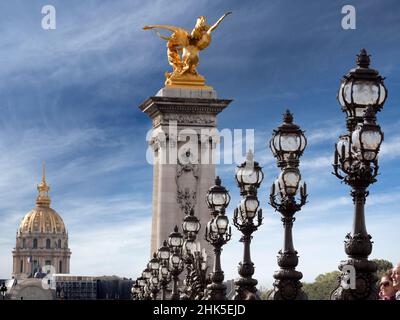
(198,278)
(303,196)
(236,222)
(289,204)
(362,174)
(337,164)
(375,168)
(260,218)
(336,173)
(272,199)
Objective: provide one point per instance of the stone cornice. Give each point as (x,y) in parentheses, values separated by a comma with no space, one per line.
(154,106)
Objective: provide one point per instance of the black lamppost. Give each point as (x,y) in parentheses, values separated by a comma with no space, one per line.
(142,284)
(136,291)
(146,275)
(190,226)
(199,279)
(175,241)
(164,274)
(3,290)
(165,278)
(154,265)
(217,234)
(249,177)
(362,94)
(287,144)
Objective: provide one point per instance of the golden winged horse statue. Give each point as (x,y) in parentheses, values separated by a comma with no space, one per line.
(184,73)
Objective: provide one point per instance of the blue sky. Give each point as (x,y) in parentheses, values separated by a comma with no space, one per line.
(70,97)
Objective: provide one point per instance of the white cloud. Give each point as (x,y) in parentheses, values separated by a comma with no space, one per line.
(112,249)
(390,149)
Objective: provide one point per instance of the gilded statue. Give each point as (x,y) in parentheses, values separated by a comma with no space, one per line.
(183,51)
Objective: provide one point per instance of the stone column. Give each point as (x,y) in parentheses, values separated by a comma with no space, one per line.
(183,120)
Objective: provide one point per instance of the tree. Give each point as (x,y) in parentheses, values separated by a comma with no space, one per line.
(383,266)
(322,287)
(325,283)
(264,292)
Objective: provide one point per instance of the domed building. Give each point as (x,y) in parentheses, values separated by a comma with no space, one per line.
(42,239)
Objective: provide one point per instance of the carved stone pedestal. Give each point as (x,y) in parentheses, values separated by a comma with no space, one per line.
(183,142)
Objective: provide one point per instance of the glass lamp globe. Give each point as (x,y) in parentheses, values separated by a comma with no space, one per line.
(343,147)
(289,180)
(249,174)
(142,282)
(154,264)
(164,272)
(154,280)
(175,239)
(189,246)
(249,206)
(221,223)
(217,196)
(287,140)
(146,274)
(175,260)
(367,138)
(360,88)
(164,252)
(191,223)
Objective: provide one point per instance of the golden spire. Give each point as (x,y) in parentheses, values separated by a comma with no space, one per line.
(43,199)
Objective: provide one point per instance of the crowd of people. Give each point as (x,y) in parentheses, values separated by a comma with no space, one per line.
(389,286)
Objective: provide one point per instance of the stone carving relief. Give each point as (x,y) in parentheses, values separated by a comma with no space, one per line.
(187,181)
(185,119)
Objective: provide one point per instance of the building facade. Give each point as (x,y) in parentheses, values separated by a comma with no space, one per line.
(42,239)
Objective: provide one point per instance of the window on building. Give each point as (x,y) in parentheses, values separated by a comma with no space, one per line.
(34,243)
(35,266)
(60,267)
(21,266)
(48,263)
(24,243)
(47,243)
(59,243)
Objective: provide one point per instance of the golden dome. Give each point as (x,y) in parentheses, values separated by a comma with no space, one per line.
(42,219)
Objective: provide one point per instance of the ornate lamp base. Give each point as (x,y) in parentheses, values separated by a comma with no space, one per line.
(365,281)
(246,289)
(358,278)
(287,286)
(216,291)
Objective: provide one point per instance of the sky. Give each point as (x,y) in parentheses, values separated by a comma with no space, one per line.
(70,97)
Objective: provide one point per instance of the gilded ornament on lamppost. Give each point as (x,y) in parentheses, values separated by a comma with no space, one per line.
(183,48)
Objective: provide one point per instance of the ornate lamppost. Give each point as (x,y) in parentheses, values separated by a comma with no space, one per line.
(142,284)
(146,275)
(164,254)
(175,242)
(154,265)
(287,144)
(3,290)
(190,226)
(199,279)
(249,177)
(165,278)
(136,291)
(362,94)
(217,233)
